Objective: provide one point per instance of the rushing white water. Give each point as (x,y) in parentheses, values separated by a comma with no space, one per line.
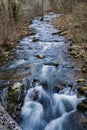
(33,116)
(42,111)
(43,108)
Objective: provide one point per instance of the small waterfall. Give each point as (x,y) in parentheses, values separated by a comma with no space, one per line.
(68,121)
(33,116)
(35,111)
(62,104)
(42,111)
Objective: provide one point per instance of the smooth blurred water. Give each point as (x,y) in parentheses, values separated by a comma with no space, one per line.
(42,111)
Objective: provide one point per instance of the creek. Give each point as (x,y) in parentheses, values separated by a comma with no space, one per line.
(44,61)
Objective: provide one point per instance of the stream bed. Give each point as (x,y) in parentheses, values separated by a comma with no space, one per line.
(43,64)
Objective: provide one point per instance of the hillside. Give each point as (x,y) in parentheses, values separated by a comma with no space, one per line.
(73,25)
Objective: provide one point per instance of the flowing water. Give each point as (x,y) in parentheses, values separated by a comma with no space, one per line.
(47,65)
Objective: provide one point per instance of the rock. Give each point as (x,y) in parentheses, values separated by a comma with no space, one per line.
(84,123)
(17,86)
(74,47)
(57,89)
(35,95)
(54,63)
(35,39)
(44,84)
(56,33)
(84,101)
(32,33)
(74,50)
(70,66)
(84,69)
(40,56)
(6,122)
(81,80)
(79,95)
(82,89)
(82,107)
(86,94)
(64,33)
(35,81)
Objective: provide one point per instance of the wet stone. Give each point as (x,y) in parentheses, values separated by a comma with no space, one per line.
(57,89)
(35,95)
(35,39)
(40,56)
